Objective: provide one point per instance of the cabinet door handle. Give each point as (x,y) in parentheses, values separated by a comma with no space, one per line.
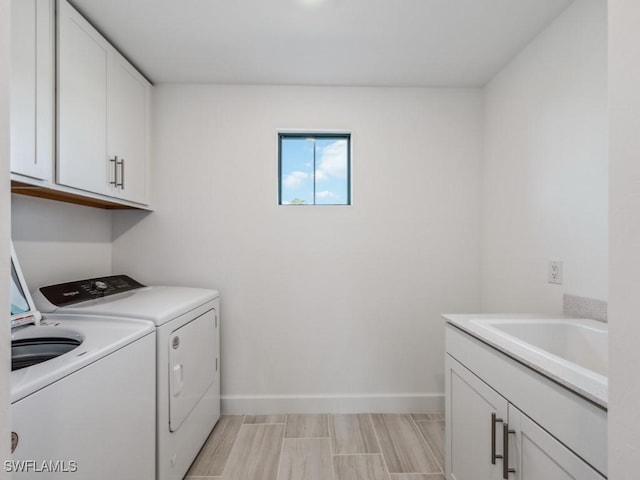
(505,451)
(121,163)
(494,420)
(114,160)
(122,175)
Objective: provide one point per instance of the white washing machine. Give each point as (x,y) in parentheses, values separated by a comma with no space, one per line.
(188,345)
(80,394)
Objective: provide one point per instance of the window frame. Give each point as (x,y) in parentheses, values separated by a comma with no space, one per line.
(314,134)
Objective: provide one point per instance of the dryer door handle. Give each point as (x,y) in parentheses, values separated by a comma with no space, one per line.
(178,379)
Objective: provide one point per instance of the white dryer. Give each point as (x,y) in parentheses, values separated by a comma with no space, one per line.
(187,350)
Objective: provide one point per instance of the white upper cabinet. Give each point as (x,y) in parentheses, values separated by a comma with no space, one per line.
(129,99)
(82,104)
(32,88)
(103,114)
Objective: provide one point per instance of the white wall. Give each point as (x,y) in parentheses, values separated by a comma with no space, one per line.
(545,167)
(58,242)
(5,40)
(341,304)
(624,301)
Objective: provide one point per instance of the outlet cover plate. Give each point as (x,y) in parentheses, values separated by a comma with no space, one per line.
(555,272)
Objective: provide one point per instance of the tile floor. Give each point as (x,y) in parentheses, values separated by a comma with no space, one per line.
(323,447)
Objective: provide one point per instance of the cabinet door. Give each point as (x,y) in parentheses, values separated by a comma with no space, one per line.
(82,104)
(469,443)
(32,88)
(536,455)
(127,127)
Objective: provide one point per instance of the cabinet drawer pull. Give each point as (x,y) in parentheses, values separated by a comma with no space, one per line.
(114,160)
(494,420)
(505,451)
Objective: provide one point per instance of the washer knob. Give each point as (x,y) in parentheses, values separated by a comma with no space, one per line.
(100,285)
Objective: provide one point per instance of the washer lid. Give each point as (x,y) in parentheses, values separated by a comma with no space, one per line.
(22,310)
(159,304)
(100,337)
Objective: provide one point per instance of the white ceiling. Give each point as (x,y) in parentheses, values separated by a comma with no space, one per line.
(322,42)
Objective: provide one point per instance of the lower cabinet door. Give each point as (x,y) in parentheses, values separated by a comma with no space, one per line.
(474,426)
(535,455)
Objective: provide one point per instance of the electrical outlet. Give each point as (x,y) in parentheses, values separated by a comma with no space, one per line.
(555,272)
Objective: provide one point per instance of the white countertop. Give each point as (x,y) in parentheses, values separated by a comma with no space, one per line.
(586,383)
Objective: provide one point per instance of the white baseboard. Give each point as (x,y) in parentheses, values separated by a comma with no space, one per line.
(376,403)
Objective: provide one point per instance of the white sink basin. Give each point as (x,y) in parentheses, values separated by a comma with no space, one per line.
(569,351)
(583,343)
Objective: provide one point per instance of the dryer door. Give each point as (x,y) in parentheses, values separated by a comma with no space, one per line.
(192,366)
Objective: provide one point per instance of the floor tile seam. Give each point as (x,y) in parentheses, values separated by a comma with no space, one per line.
(281,449)
(226,463)
(438,475)
(416,474)
(328,425)
(233,444)
(375,433)
(333,473)
(426,443)
(331,446)
(429,419)
(363,436)
(307,438)
(419,436)
(357,454)
(361,431)
(267,423)
(333,466)
(332,434)
(201,476)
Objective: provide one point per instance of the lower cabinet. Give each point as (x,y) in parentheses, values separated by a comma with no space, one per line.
(536,455)
(471,438)
(489,438)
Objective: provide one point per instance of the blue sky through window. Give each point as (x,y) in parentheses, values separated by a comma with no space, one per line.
(328,184)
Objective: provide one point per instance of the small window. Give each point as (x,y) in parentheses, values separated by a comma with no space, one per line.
(314,168)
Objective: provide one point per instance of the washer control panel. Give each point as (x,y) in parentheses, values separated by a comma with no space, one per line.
(64,294)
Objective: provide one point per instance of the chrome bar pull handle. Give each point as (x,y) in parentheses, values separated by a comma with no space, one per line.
(121,164)
(122,174)
(505,451)
(494,420)
(114,160)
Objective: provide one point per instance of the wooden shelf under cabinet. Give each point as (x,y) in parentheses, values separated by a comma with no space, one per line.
(62,196)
